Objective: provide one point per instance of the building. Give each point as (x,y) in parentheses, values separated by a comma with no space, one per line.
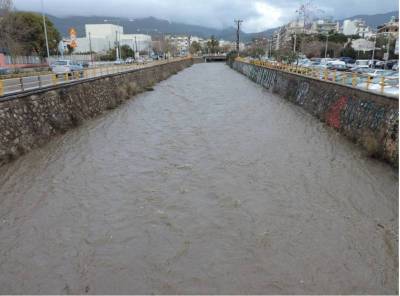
(103,37)
(356,27)
(362,45)
(138,42)
(181,43)
(391,27)
(283,37)
(324,27)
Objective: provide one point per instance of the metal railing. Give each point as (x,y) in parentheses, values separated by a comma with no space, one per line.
(39,80)
(379,84)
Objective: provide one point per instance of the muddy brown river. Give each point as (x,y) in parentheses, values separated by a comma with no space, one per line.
(208,184)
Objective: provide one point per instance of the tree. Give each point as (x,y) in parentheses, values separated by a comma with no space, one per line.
(348,51)
(213,45)
(126,52)
(22,34)
(195,47)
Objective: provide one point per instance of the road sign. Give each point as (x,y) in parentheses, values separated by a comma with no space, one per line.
(72,36)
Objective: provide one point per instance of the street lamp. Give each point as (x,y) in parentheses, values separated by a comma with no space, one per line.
(45,32)
(326,45)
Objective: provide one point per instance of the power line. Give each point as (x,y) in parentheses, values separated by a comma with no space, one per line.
(238,23)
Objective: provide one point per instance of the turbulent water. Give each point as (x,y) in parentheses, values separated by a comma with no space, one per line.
(208,184)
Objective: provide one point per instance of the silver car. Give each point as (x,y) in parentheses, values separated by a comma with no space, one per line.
(66,67)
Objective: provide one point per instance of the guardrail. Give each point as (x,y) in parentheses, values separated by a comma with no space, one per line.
(380,84)
(24,83)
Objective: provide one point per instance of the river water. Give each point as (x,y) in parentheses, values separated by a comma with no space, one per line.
(208,184)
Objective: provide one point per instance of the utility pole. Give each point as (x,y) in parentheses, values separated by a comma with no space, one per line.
(90,47)
(238,23)
(45,32)
(189,39)
(388,50)
(135,47)
(295,40)
(326,45)
(116,46)
(373,51)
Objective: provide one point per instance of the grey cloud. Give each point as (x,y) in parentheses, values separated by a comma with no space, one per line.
(258,14)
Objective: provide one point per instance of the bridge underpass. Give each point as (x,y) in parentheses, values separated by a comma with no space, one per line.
(208,184)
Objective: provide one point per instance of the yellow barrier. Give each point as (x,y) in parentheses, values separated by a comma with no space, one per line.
(66,77)
(354,80)
(1,87)
(382,84)
(54,79)
(344,78)
(325,74)
(369,80)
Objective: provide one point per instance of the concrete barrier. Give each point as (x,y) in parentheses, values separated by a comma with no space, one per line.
(366,118)
(32,118)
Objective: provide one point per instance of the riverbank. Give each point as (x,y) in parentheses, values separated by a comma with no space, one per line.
(30,119)
(368,119)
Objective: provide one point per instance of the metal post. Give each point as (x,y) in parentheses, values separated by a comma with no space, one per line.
(116,46)
(90,47)
(21,82)
(238,22)
(382,83)
(326,45)
(45,32)
(388,51)
(369,80)
(373,51)
(294,45)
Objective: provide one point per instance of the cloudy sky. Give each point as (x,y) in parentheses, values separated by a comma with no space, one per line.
(258,14)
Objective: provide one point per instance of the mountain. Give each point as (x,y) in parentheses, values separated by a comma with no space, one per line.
(374,20)
(154,26)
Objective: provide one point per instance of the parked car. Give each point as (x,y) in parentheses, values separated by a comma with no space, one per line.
(66,67)
(360,69)
(347,60)
(386,64)
(129,60)
(4,71)
(379,72)
(364,63)
(119,62)
(337,65)
(140,60)
(396,67)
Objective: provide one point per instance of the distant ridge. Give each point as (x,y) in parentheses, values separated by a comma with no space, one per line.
(154,26)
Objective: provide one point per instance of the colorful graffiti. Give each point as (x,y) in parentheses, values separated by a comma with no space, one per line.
(354,113)
(333,115)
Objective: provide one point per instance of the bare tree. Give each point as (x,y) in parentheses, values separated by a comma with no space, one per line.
(6,40)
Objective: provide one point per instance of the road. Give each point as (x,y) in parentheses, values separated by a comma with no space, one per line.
(208,184)
(17,85)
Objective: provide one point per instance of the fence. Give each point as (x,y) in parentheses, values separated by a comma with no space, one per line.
(20,84)
(380,84)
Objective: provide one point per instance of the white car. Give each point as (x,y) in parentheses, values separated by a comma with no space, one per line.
(379,72)
(363,63)
(66,67)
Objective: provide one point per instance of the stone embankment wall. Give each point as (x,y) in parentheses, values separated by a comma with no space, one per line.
(368,119)
(32,118)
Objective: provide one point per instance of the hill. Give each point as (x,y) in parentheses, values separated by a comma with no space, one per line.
(154,26)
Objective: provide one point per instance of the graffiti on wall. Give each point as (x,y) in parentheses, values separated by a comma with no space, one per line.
(302,92)
(348,111)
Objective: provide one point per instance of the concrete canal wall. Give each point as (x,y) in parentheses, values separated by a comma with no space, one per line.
(368,119)
(32,118)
